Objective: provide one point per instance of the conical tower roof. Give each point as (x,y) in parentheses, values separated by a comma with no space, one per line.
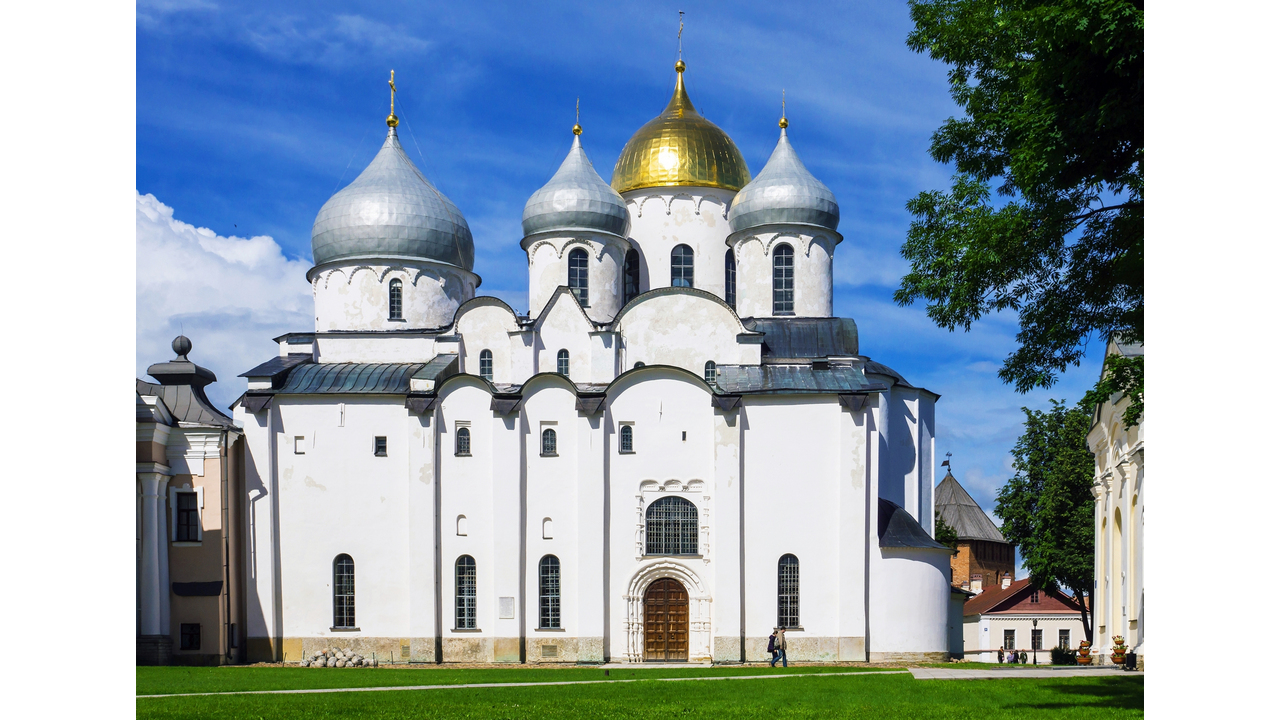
(576,198)
(392,211)
(960,511)
(784,192)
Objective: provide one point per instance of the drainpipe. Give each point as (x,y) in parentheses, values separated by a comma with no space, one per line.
(226,548)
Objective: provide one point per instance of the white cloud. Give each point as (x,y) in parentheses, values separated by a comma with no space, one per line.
(230,295)
(333,41)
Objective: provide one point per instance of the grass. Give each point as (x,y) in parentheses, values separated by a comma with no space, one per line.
(168,680)
(883,696)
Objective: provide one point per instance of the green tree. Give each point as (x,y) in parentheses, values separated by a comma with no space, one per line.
(1051,92)
(1120,375)
(1046,509)
(944,533)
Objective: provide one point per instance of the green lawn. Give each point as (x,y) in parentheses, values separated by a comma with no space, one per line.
(880,697)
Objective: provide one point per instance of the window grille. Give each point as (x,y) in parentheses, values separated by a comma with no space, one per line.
(625,440)
(549,592)
(784,289)
(190,636)
(1035,596)
(486,365)
(465,596)
(578,274)
(1064,639)
(462,444)
(380,446)
(1009,639)
(730,279)
(1037,639)
(562,362)
(788,592)
(709,372)
(188,517)
(671,527)
(344,592)
(630,276)
(682,266)
(548,442)
(397,302)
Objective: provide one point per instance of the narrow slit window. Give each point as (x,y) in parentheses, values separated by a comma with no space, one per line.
(548,442)
(396,293)
(562,362)
(462,444)
(682,266)
(578,275)
(709,372)
(190,636)
(380,446)
(788,591)
(465,593)
(730,280)
(784,283)
(344,592)
(625,440)
(486,365)
(549,592)
(630,276)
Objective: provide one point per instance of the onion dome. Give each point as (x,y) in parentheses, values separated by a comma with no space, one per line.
(680,147)
(576,198)
(392,211)
(784,192)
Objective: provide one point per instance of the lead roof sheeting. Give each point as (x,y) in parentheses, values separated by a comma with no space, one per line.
(896,528)
(351,378)
(187,404)
(439,365)
(965,516)
(277,365)
(806,337)
(876,368)
(790,378)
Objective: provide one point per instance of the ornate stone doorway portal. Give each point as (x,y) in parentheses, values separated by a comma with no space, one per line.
(666,622)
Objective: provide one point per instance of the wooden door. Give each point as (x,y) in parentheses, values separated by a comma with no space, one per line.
(666,622)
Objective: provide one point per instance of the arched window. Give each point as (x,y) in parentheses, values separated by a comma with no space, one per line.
(788,591)
(462,525)
(625,441)
(486,365)
(630,276)
(548,529)
(578,274)
(682,266)
(709,372)
(464,607)
(562,362)
(784,282)
(671,527)
(548,442)
(344,592)
(397,300)
(730,279)
(462,443)
(549,592)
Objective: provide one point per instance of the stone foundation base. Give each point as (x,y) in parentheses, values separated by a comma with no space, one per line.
(547,648)
(801,648)
(196,659)
(727,649)
(155,649)
(909,657)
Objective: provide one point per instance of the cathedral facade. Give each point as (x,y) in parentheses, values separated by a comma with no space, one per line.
(675,451)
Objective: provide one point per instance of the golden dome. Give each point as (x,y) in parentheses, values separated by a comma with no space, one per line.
(680,147)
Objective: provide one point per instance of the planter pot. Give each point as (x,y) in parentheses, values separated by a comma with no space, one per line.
(1118,659)
(1084,660)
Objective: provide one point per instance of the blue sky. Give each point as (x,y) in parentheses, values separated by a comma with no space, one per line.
(250,115)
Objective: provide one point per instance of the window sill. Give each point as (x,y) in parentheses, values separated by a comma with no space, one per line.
(466,630)
(626,452)
(396,320)
(548,629)
(670,555)
(379,454)
(462,454)
(794,629)
(548,455)
(344,629)
(186,543)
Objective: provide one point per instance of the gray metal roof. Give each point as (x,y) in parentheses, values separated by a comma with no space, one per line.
(784,192)
(576,198)
(392,210)
(964,515)
(741,379)
(806,337)
(277,365)
(350,378)
(897,528)
(187,403)
(876,368)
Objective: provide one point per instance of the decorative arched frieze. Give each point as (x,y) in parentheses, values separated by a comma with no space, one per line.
(699,608)
(357,269)
(796,240)
(424,272)
(329,275)
(821,241)
(390,268)
(641,201)
(697,208)
(685,195)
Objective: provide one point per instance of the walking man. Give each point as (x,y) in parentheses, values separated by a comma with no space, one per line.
(782,645)
(773,647)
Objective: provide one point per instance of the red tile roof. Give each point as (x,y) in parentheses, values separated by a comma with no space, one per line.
(993,598)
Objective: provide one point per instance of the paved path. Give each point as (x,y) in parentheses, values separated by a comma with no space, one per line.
(524,684)
(1011,673)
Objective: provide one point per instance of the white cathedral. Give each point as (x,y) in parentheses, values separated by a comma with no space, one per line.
(675,451)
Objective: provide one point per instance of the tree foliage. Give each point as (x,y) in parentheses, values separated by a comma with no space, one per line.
(1053,122)
(944,533)
(1046,509)
(1123,376)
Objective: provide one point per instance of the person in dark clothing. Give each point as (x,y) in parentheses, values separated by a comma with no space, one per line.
(773,647)
(782,646)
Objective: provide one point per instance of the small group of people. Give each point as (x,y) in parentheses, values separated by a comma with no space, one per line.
(778,647)
(1013,656)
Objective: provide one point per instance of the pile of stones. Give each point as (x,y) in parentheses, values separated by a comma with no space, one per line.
(335,657)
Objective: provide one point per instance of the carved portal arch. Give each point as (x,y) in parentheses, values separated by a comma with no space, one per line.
(699,608)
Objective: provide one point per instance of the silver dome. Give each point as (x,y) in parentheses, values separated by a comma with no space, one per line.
(784,192)
(392,210)
(576,198)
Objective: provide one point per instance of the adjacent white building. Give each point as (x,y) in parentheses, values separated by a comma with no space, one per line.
(677,449)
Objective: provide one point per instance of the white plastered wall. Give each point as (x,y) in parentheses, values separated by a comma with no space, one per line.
(812,258)
(356,295)
(563,327)
(662,218)
(549,269)
(683,329)
(488,324)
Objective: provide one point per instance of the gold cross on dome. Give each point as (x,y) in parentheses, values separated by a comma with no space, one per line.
(392,83)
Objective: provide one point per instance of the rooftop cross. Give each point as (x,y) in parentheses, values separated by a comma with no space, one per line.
(392,120)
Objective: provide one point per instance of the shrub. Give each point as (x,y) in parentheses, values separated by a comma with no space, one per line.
(1062,656)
